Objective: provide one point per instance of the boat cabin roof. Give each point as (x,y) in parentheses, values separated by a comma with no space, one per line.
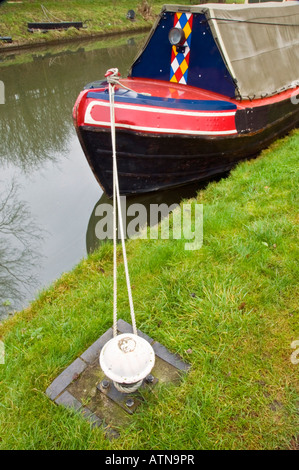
(239,50)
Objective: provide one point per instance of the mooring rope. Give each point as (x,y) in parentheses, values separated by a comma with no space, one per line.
(112,79)
(47,13)
(130,388)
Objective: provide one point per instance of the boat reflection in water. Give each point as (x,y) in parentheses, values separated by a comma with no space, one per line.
(138,211)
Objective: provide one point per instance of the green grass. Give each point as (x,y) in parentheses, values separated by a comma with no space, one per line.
(103,18)
(230,309)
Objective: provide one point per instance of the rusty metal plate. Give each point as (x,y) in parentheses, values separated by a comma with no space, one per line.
(128,401)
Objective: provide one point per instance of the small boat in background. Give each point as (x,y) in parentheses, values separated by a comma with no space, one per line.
(213,85)
(50,25)
(6,39)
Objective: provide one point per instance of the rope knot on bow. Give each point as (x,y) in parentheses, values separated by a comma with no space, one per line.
(112,76)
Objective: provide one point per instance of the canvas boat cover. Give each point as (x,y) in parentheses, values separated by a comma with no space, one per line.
(259,43)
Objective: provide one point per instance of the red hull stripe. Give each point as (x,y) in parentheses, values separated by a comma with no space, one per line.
(170,121)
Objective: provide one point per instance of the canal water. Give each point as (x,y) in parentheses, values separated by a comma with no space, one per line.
(48,193)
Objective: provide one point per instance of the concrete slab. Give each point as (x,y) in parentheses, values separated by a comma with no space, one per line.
(78,386)
(65,378)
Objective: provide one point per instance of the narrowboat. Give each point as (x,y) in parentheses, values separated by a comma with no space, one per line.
(213,85)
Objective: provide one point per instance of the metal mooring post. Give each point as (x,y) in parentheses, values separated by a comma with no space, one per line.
(127,359)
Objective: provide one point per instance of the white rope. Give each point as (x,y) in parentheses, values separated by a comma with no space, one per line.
(47,13)
(112,120)
(112,79)
(128,388)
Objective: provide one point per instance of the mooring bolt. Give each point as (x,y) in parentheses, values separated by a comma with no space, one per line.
(149,379)
(130,402)
(105,384)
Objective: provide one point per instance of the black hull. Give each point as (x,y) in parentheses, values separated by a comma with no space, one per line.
(151,162)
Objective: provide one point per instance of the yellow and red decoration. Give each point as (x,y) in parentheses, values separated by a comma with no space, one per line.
(180,59)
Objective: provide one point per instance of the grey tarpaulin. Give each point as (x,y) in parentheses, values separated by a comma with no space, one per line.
(258,42)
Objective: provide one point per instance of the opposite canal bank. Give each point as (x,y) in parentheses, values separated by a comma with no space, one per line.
(100,20)
(230,309)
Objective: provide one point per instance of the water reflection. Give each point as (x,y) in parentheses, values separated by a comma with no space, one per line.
(35,122)
(39,149)
(19,241)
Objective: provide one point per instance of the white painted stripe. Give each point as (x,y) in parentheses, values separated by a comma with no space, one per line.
(160,110)
(159,130)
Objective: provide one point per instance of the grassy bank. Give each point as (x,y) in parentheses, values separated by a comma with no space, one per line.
(100,17)
(230,309)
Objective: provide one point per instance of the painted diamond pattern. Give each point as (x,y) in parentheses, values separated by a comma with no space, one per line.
(184,66)
(175,65)
(187,30)
(180,60)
